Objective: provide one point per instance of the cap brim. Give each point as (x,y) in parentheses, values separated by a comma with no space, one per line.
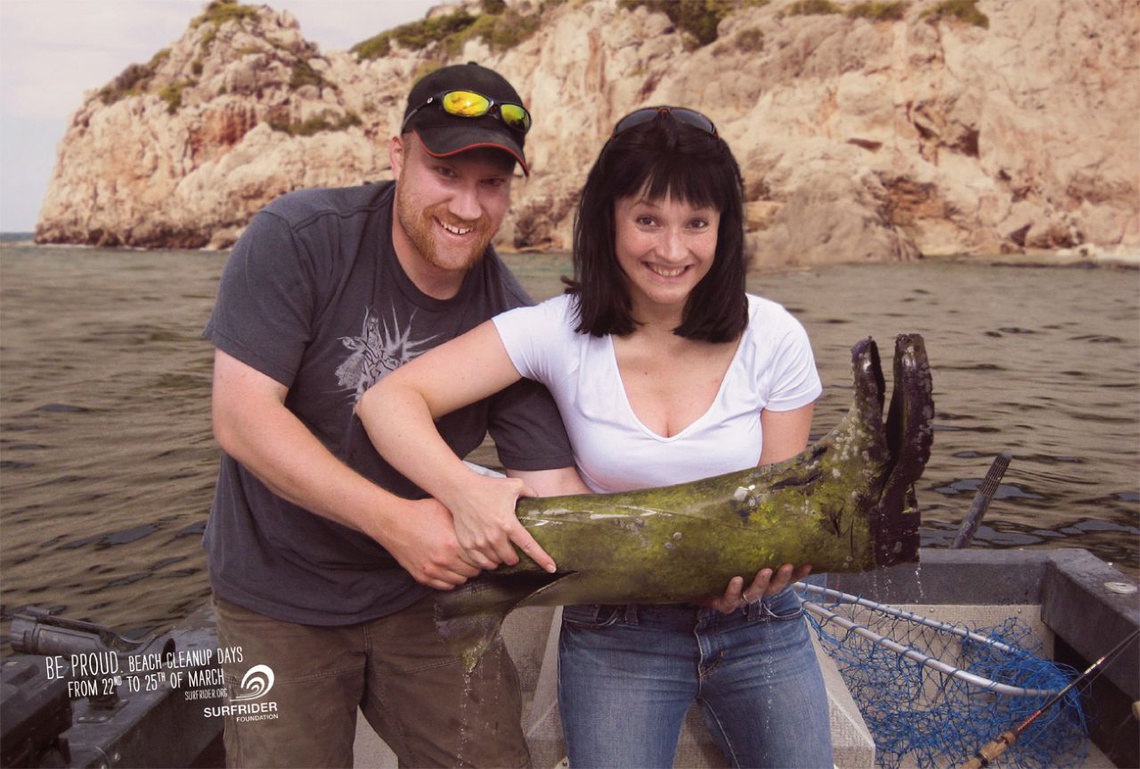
(445,141)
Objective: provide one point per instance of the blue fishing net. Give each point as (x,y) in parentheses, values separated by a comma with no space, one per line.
(925,717)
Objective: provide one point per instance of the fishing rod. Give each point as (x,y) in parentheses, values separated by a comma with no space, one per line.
(992,750)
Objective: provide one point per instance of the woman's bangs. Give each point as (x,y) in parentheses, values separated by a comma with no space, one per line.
(687,179)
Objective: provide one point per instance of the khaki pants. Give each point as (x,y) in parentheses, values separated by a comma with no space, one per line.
(397,670)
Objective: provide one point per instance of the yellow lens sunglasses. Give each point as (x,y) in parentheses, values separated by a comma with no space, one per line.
(471,104)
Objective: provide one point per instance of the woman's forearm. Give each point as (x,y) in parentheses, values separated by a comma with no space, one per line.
(402,428)
(399,414)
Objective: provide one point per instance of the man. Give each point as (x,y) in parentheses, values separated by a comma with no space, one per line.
(321,556)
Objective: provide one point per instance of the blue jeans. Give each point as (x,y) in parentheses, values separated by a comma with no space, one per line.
(628,674)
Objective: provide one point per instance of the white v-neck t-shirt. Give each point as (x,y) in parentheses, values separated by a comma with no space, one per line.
(773,368)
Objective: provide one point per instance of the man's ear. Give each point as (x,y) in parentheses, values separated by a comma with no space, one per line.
(396,150)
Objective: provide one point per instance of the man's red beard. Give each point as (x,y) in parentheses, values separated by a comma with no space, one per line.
(421,227)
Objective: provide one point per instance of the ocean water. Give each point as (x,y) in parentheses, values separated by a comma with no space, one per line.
(107,461)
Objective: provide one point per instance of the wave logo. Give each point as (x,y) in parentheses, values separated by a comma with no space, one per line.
(256,683)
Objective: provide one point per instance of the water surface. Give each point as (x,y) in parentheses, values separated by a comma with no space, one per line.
(107,462)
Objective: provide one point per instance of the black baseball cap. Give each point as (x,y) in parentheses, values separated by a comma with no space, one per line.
(444,135)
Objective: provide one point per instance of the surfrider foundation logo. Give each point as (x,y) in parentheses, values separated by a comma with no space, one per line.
(256,683)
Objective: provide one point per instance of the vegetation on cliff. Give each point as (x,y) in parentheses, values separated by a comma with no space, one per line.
(500,26)
(218,12)
(133,80)
(699,18)
(812,8)
(891,11)
(325,121)
(961,10)
(875,11)
(172,94)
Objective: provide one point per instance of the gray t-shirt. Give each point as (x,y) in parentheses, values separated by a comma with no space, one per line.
(314,297)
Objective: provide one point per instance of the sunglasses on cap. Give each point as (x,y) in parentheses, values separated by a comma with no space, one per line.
(680,114)
(471,104)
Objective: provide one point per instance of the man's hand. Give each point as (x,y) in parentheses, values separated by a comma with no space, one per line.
(766,582)
(424,543)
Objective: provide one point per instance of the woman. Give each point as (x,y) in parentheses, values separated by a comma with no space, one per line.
(665,371)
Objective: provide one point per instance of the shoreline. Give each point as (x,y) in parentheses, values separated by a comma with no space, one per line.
(1083,256)
(1086,256)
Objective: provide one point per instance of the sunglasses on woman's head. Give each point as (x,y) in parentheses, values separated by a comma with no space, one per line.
(471,104)
(680,114)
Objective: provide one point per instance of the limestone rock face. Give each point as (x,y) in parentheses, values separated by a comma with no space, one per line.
(860,140)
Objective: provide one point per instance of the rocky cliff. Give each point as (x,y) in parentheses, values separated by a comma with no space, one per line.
(867,131)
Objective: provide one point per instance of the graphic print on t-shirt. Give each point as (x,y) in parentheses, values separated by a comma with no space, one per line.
(378,351)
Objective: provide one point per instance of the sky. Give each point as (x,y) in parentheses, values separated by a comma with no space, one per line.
(53,51)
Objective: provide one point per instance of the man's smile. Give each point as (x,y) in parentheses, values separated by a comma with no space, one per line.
(456,229)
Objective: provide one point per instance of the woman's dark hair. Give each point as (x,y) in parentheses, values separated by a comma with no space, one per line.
(661,158)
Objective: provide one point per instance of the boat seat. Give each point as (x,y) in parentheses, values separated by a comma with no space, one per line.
(531,635)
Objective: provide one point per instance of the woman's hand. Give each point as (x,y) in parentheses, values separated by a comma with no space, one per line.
(486,526)
(766,582)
